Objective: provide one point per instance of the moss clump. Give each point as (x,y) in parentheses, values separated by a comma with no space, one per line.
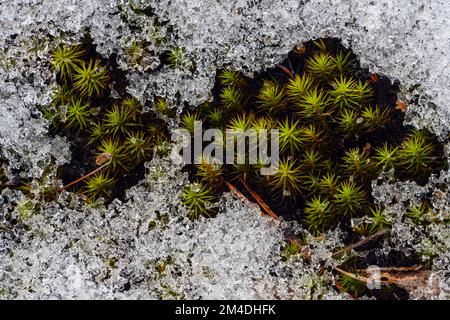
(352,285)
(338,130)
(66,58)
(113,136)
(420,214)
(199,200)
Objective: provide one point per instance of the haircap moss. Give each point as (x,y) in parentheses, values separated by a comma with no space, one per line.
(338,129)
(112,137)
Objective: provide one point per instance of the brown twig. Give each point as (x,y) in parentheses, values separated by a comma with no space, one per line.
(83,177)
(351,275)
(286,70)
(235,190)
(232,188)
(360,243)
(395,269)
(258,199)
(408,278)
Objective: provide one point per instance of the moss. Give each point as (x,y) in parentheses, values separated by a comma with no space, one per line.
(99,185)
(188,121)
(292,248)
(271,96)
(209,171)
(65,58)
(163,107)
(90,78)
(25,209)
(231,98)
(111,134)
(352,286)
(199,200)
(136,51)
(338,129)
(420,214)
(78,113)
(318,214)
(176,57)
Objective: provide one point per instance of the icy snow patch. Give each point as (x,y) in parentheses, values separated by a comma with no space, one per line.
(147,248)
(406,41)
(430,240)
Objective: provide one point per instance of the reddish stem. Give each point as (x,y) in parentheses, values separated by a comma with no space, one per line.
(260,201)
(84,177)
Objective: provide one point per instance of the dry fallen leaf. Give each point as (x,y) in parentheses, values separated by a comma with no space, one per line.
(103,158)
(400,105)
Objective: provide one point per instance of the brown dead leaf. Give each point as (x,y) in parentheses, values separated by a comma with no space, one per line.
(400,105)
